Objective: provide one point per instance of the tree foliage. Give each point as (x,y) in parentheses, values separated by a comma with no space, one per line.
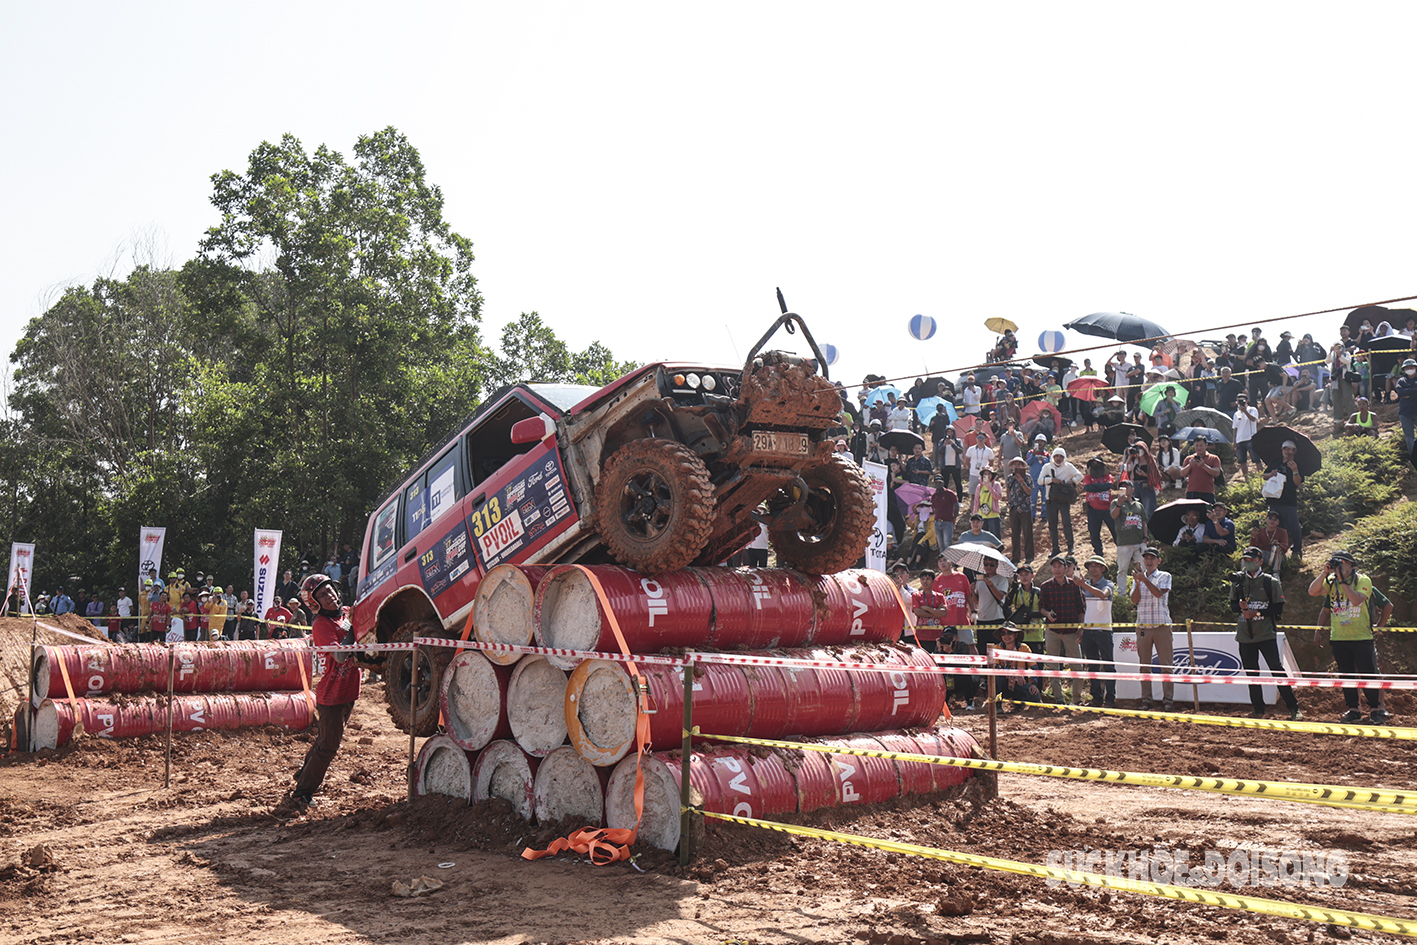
(324,335)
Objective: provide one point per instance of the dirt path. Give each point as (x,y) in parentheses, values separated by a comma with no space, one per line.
(133,862)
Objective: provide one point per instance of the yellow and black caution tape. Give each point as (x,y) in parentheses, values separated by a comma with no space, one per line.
(1310,728)
(1373,799)
(1273,907)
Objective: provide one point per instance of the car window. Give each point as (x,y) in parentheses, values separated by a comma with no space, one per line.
(489,445)
(385,534)
(443,488)
(415,505)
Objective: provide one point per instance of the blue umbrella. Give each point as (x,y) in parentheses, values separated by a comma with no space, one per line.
(1211,436)
(922,327)
(1126,328)
(878,394)
(925,410)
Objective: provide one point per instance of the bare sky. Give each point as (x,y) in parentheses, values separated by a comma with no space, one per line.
(646,174)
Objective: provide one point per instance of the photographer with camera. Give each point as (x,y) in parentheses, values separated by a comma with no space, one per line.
(1346,592)
(1258,600)
(1151,592)
(1202,468)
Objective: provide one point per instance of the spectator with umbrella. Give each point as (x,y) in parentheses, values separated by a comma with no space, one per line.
(1285,469)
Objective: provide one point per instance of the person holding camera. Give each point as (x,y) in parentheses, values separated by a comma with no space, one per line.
(1219,537)
(1063,609)
(1151,592)
(1201,469)
(1140,467)
(1097,635)
(1257,599)
(1346,592)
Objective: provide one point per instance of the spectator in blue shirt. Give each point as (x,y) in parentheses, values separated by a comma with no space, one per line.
(1219,531)
(63,603)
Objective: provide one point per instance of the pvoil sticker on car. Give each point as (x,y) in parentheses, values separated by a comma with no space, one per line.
(511,520)
(445,561)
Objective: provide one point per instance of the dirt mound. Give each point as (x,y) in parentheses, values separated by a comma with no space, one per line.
(16,634)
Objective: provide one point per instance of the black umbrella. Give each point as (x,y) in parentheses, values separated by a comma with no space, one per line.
(903,440)
(1124,327)
(1053,362)
(1115,436)
(1165,523)
(1268,442)
(1384,352)
(1373,314)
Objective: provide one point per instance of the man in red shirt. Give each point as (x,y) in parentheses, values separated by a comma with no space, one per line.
(1201,469)
(334,697)
(958,633)
(944,504)
(276,619)
(158,615)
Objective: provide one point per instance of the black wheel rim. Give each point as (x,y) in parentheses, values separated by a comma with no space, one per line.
(646,505)
(821,507)
(406,685)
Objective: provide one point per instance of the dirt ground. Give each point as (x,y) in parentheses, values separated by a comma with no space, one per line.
(94,849)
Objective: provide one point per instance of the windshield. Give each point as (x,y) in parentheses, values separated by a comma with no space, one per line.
(563,396)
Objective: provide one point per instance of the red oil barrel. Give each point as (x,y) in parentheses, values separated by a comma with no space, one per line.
(225,666)
(856,607)
(816,780)
(859,779)
(502,608)
(569,788)
(930,743)
(601,706)
(54,721)
(759,607)
(895,700)
(444,767)
(536,694)
(473,698)
(790,701)
(504,770)
(654,611)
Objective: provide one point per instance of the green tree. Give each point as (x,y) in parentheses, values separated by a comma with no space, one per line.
(530,351)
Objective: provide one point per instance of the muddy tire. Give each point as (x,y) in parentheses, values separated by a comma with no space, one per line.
(842,513)
(654,505)
(399,684)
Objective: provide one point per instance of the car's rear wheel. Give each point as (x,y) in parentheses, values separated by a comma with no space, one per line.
(654,505)
(400,686)
(832,521)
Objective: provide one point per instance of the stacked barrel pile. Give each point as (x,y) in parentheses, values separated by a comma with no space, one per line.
(121,691)
(555,734)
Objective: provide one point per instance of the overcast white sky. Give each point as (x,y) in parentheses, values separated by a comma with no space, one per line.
(646,174)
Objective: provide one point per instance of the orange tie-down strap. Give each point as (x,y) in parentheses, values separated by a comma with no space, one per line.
(605,845)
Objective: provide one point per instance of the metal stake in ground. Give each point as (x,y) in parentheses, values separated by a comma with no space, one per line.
(993,712)
(412,714)
(685,750)
(171,671)
(1191,643)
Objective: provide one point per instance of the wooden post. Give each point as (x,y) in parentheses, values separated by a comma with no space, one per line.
(29,700)
(171,670)
(686,745)
(1191,644)
(412,715)
(993,713)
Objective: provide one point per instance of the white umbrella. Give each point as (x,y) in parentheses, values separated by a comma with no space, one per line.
(972,555)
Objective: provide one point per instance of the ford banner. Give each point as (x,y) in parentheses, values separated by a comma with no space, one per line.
(267,564)
(1217,654)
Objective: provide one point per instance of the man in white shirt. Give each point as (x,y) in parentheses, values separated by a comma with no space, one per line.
(972,396)
(1246,421)
(1151,592)
(977,458)
(125,610)
(898,417)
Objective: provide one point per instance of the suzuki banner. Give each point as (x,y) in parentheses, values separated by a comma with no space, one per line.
(1217,654)
(876,550)
(150,542)
(267,563)
(21,573)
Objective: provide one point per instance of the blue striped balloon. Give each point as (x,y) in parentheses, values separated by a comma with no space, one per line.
(830,353)
(922,327)
(1052,342)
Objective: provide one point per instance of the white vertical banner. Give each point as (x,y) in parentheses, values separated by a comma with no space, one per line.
(876,549)
(267,560)
(150,542)
(21,573)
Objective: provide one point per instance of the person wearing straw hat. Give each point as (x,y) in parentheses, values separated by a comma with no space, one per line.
(1019,500)
(1257,599)
(1013,689)
(1097,635)
(1151,592)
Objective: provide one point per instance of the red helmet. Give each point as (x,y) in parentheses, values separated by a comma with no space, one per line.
(310,586)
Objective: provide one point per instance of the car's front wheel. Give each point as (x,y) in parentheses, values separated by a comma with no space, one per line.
(654,505)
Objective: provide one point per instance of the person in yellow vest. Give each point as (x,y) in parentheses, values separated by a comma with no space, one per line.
(216,612)
(145,606)
(177,586)
(988,502)
(1346,592)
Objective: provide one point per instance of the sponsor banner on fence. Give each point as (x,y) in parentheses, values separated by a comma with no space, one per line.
(876,550)
(21,573)
(267,562)
(1217,654)
(150,542)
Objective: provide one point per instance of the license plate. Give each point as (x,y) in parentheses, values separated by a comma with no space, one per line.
(792,444)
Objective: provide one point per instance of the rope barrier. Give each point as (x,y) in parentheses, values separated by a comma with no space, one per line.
(1228,721)
(1271,907)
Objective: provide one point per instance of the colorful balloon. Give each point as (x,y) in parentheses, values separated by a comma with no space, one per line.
(922,327)
(1052,342)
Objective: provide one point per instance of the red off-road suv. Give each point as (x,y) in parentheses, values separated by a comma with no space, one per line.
(672,465)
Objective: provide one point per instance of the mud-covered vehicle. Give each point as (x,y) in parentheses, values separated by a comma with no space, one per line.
(674,464)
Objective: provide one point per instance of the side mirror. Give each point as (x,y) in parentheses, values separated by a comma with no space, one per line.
(532,429)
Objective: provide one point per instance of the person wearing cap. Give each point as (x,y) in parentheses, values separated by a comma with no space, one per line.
(94,611)
(971,396)
(276,619)
(1406,390)
(1284,351)
(1257,599)
(1362,422)
(1129,526)
(1346,593)
(1019,489)
(957,633)
(1272,539)
(1097,489)
(926,607)
(977,534)
(145,606)
(1151,592)
(1024,606)
(1202,468)
(977,458)
(1219,534)
(1245,421)
(1012,688)
(1063,608)
(216,613)
(1257,358)
(62,603)
(988,501)
(991,591)
(1097,635)
(1286,504)
(1062,480)
(124,605)
(176,585)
